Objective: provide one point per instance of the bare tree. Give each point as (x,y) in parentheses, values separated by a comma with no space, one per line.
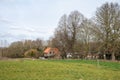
(65,36)
(74,22)
(61,39)
(108,24)
(85,34)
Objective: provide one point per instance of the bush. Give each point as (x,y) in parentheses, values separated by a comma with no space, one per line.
(32,53)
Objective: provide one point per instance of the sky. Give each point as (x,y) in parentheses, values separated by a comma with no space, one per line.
(32,19)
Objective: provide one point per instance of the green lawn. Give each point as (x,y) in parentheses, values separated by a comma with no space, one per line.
(58,70)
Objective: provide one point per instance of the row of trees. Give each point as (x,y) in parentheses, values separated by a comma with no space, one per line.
(75,33)
(19,48)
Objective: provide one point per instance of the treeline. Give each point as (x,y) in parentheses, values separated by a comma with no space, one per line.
(19,48)
(76,34)
(79,36)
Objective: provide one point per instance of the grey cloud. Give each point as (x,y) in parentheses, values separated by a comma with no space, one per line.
(3,35)
(23,29)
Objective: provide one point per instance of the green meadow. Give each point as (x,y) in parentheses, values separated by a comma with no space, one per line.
(20,69)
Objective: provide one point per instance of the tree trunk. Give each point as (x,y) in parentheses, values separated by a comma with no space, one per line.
(104,55)
(113,56)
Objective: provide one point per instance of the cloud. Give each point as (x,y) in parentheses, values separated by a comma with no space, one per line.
(6,35)
(27,29)
(32,32)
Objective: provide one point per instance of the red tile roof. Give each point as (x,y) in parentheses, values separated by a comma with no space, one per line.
(47,50)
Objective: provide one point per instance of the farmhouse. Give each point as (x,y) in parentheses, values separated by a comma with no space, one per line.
(52,53)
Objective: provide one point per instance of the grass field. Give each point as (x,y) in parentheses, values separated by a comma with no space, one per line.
(58,70)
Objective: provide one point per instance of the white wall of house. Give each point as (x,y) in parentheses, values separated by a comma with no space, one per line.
(51,53)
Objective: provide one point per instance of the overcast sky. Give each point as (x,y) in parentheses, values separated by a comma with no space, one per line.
(31,19)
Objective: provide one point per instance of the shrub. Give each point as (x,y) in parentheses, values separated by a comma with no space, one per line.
(32,53)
